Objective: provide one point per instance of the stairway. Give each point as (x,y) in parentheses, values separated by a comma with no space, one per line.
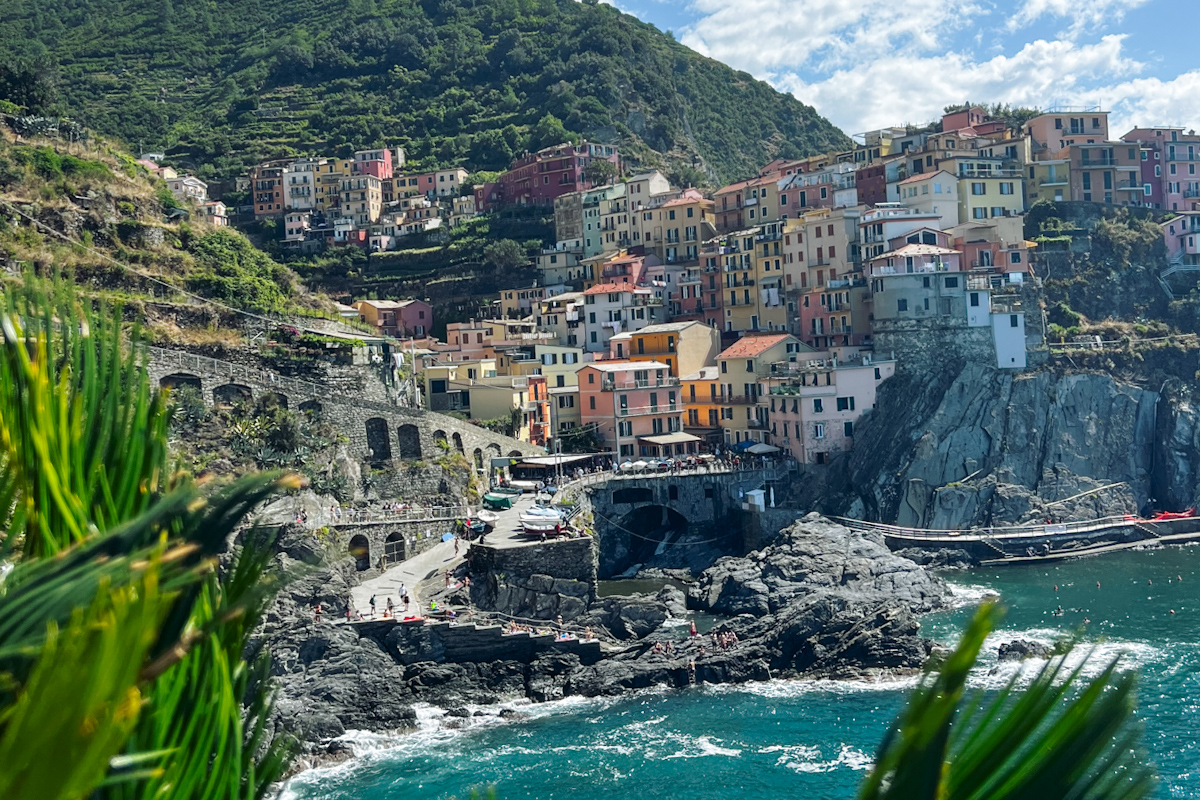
(1147,529)
(994,545)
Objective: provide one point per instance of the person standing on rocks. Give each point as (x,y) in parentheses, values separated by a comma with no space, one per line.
(317,613)
(693,631)
(372,604)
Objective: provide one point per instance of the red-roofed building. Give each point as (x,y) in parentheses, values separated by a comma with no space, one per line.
(635,408)
(740,368)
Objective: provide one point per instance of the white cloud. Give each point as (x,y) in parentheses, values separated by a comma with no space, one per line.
(1083,15)
(1147,102)
(899,89)
(764,35)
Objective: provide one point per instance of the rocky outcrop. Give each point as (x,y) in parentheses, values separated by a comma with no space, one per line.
(971,446)
(1020,649)
(814,555)
(819,601)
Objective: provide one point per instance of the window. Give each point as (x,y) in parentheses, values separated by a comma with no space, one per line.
(902,305)
(1006,187)
(1012,320)
(749,365)
(952,282)
(848,429)
(974,299)
(978,188)
(819,430)
(979,213)
(591,377)
(724,366)
(818,405)
(592,403)
(845,404)
(997,211)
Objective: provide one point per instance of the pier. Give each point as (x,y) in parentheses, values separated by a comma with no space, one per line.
(1011,544)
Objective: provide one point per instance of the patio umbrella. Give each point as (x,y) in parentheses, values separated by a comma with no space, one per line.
(762,449)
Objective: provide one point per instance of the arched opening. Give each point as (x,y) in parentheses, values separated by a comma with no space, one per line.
(179,380)
(643,535)
(514,453)
(311,409)
(269,400)
(230,394)
(408,438)
(393,547)
(478,459)
(360,551)
(439,440)
(493,451)
(457,439)
(377,439)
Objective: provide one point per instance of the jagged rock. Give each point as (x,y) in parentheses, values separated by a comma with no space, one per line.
(458,711)
(1021,649)
(674,600)
(814,554)
(938,558)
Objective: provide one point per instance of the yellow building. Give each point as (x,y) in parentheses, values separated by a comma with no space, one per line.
(519,303)
(986,189)
(676,229)
(361,198)
(736,254)
(745,413)
(1049,180)
(683,346)
(769,289)
(702,404)
(558,363)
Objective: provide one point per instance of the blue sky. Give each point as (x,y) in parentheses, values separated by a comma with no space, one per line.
(868,65)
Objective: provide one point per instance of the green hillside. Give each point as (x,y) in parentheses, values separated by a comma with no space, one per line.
(224,83)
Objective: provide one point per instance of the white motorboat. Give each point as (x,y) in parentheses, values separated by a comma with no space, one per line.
(541,519)
(488,518)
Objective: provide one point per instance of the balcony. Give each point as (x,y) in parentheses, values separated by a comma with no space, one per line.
(1129,186)
(768,237)
(738,399)
(1191,193)
(1053,180)
(1096,163)
(631,383)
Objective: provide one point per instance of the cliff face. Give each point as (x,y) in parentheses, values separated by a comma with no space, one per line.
(965,445)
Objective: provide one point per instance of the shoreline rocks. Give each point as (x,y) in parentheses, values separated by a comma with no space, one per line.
(819,601)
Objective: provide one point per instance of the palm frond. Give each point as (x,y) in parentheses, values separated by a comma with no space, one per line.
(1054,739)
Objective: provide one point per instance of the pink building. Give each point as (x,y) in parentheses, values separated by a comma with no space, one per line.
(636,408)
(377,162)
(814,410)
(1181,235)
(1170,161)
(536,179)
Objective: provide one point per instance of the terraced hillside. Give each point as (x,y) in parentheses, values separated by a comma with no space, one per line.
(223,83)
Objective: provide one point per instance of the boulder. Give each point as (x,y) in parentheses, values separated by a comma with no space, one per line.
(1021,649)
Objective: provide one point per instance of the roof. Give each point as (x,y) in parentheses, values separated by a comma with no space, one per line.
(669,438)
(749,346)
(605,288)
(918,250)
(688,197)
(384,304)
(662,327)
(924,176)
(702,374)
(624,366)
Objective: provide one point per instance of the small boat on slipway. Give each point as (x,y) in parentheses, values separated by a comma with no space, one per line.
(541,519)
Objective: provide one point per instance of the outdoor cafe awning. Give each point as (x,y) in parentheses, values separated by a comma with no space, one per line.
(670,438)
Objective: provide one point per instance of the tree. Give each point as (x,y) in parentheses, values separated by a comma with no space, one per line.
(1048,741)
(599,172)
(504,256)
(121,644)
(30,82)
(548,132)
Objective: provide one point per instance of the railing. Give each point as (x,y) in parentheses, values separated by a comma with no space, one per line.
(738,399)
(639,384)
(998,534)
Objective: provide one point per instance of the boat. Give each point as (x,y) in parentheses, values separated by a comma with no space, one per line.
(497,502)
(476,525)
(512,491)
(488,518)
(541,519)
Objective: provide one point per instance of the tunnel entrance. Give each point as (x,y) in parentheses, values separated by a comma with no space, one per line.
(641,536)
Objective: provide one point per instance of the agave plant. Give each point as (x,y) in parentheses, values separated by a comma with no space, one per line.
(1054,739)
(121,667)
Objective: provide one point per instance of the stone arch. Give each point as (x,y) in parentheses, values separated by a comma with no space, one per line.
(493,450)
(179,380)
(456,437)
(478,459)
(514,453)
(439,439)
(267,399)
(408,439)
(230,394)
(378,442)
(311,408)
(639,535)
(393,547)
(360,551)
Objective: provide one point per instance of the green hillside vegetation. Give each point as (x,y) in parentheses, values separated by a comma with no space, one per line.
(222,84)
(80,211)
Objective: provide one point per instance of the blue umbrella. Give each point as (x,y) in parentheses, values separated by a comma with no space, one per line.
(447,537)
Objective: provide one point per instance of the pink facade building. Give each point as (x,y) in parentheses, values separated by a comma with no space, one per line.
(377,162)
(631,404)
(536,179)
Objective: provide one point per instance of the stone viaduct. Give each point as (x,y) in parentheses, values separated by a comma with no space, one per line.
(378,432)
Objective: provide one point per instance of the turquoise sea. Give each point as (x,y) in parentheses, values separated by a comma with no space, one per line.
(812,739)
